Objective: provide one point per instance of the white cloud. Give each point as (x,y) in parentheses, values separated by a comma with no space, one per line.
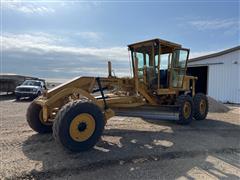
(42,43)
(28,7)
(41,53)
(46,43)
(46,6)
(215,24)
(89,35)
(34,38)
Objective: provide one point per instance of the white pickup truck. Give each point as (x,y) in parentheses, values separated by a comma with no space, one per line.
(30,88)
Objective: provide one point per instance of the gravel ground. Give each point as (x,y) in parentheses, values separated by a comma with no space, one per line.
(131,148)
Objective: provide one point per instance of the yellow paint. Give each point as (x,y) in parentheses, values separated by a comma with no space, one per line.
(128,91)
(108,114)
(85,134)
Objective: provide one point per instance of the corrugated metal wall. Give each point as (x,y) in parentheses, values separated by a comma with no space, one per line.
(223,78)
(223,83)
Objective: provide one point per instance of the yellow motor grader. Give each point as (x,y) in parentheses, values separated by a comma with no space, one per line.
(77,111)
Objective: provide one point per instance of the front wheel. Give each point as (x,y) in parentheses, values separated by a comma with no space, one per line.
(35,96)
(78,126)
(17,98)
(200,106)
(185,103)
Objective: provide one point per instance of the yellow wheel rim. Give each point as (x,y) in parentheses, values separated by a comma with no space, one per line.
(202,106)
(82,127)
(187,110)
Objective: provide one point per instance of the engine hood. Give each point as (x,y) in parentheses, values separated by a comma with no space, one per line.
(30,87)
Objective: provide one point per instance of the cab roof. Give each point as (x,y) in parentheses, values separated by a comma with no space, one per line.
(166,46)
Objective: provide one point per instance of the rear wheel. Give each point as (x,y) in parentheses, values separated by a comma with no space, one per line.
(35,119)
(185,104)
(200,106)
(78,126)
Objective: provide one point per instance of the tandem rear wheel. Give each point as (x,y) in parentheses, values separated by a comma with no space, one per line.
(185,103)
(78,126)
(200,106)
(190,108)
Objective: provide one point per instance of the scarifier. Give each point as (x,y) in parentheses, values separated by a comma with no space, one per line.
(77,111)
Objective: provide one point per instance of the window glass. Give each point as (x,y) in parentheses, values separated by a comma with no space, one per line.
(140,60)
(177,77)
(156,60)
(179,58)
(31,83)
(164,61)
(156,63)
(147,60)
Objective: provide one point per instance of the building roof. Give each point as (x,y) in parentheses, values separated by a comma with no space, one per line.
(226,51)
(11,76)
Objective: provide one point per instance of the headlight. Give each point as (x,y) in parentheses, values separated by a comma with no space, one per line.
(34,90)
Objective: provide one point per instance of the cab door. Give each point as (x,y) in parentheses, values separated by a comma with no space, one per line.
(147,67)
(178,67)
(143,67)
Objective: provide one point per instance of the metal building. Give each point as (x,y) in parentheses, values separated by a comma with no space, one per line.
(219,74)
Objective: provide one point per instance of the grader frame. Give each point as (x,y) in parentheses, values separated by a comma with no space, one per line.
(145,89)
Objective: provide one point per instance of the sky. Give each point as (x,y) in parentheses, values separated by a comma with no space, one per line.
(63,39)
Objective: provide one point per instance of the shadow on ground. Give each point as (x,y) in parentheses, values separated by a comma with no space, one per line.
(202,145)
(11,97)
(4,97)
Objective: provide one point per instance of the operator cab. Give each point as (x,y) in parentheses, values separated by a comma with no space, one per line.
(160,64)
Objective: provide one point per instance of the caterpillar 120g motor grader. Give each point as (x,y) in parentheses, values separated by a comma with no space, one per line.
(78,110)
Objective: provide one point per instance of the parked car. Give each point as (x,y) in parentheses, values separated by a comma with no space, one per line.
(30,88)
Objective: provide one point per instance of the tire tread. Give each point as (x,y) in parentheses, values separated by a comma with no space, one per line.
(180,102)
(69,108)
(34,121)
(197,98)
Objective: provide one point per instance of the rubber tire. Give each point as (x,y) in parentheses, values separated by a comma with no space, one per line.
(33,119)
(197,99)
(18,98)
(180,102)
(38,94)
(64,118)
(35,96)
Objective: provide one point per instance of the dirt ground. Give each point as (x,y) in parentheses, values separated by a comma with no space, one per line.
(131,148)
